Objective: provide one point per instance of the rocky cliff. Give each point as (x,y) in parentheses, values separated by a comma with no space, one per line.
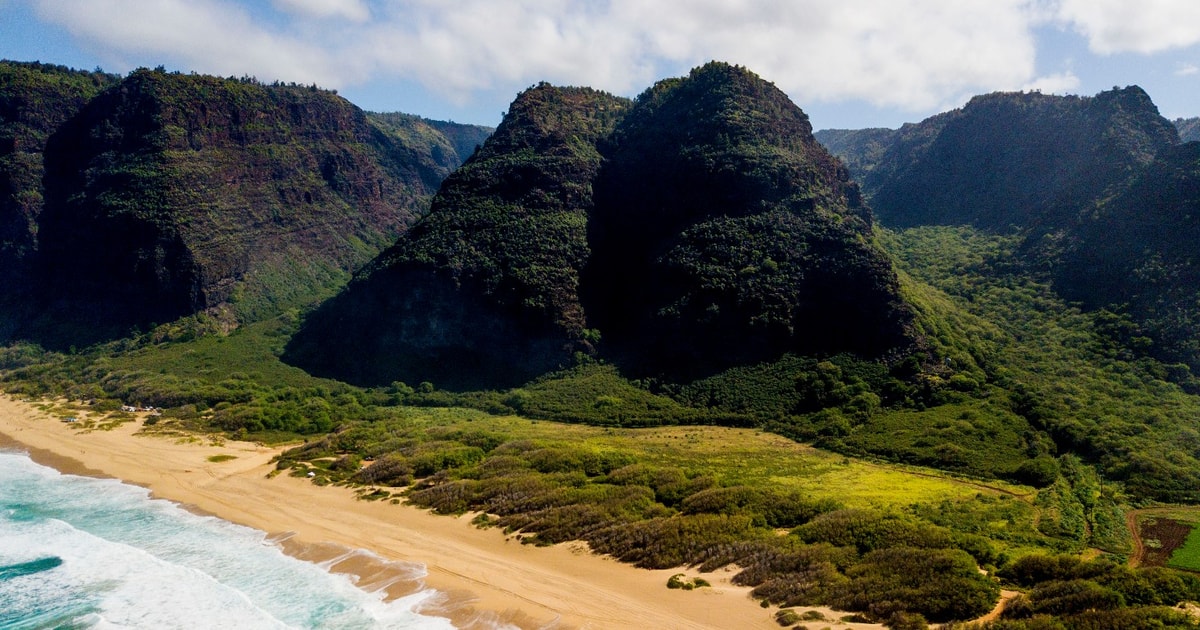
(168,194)
(698,228)
(35,99)
(1016,159)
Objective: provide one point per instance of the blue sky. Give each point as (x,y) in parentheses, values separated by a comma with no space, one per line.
(847,63)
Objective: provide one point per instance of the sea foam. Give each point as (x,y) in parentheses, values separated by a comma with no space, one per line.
(80,552)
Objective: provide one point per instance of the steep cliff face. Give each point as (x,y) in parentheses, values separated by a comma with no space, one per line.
(437,146)
(725,234)
(34,100)
(1016,159)
(1136,254)
(698,228)
(859,149)
(1189,129)
(169,194)
(484,290)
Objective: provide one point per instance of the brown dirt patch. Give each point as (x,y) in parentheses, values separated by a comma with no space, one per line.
(1161,537)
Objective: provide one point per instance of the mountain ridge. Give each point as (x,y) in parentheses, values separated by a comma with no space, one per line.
(168,195)
(485,282)
(1005,159)
(650,246)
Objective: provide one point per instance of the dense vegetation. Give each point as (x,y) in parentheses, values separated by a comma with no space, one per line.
(1135,255)
(1101,199)
(698,228)
(169,194)
(1016,159)
(484,290)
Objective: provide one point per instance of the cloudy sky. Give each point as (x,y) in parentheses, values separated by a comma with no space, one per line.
(847,63)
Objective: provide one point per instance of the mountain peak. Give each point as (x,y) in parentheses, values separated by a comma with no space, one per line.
(697,228)
(169,194)
(1016,159)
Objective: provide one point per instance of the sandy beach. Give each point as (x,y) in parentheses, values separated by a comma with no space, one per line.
(487,577)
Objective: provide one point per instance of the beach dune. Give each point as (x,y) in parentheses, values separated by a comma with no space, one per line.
(486,576)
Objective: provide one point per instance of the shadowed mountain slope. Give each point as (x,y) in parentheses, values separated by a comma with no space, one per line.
(1016,159)
(699,228)
(170,194)
(484,289)
(1137,254)
(35,99)
(725,234)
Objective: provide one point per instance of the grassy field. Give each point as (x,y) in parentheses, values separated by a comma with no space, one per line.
(745,457)
(1187,556)
(250,352)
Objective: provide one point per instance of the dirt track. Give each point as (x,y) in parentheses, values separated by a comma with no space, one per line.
(1139,548)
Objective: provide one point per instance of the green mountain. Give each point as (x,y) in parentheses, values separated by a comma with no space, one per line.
(35,99)
(724,234)
(1016,159)
(1077,178)
(859,149)
(698,228)
(1135,254)
(1189,129)
(436,144)
(170,194)
(980,405)
(483,290)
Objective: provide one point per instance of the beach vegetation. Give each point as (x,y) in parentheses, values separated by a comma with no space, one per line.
(681,581)
(787,617)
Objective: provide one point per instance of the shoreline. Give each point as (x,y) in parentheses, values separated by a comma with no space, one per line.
(485,578)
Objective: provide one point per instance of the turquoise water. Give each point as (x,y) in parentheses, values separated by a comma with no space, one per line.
(78,552)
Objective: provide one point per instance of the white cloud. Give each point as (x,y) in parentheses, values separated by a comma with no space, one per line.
(208,36)
(353,10)
(1061,83)
(909,53)
(1145,26)
(913,54)
(1186,69)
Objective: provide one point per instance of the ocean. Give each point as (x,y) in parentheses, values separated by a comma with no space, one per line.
(79,552)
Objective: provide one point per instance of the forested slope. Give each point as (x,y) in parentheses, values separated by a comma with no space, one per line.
(484,290)
(699,228)
(1016,160)
(165,195)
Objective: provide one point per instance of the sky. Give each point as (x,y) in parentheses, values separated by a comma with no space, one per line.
(846,63)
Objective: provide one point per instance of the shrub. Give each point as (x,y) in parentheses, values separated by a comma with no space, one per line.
(769,507)
(787,618)
(940,584)
(1039,472)
(1073,596)
(868,530)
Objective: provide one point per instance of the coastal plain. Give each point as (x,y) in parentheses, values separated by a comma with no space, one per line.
(488,578)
